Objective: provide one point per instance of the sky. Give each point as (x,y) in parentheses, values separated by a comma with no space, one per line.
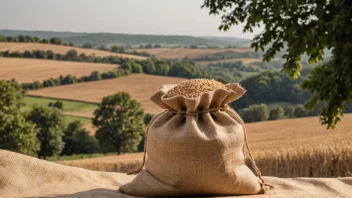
(161,17)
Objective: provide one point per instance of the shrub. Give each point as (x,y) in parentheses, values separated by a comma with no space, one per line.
(255,113)
(276,113)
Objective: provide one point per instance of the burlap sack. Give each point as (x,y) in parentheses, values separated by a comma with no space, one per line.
(195,147)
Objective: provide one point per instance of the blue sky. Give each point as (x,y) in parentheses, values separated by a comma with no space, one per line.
(167,17)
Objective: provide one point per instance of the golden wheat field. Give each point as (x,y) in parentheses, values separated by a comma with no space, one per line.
(173,53)
(21,47)
(283,148)
(29,70)
(140,87)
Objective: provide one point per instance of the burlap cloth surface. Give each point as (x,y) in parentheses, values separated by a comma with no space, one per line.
(23,176)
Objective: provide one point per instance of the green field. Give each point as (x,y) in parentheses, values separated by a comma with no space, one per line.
(83,120)
(69,106)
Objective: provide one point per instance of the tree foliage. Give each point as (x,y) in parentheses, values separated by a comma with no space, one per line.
(78,141)
(303,27)
(255,113)
(16,133)
(50,124)
(276,113)
(120,123)
(271,87)
(300,111)
(289,111)
(57,104)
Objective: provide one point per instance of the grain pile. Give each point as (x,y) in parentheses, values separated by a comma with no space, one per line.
(194,88)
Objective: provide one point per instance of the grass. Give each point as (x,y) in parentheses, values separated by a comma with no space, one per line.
(28,70)
(69,106)
(75,107)
(83,120)
(283,148)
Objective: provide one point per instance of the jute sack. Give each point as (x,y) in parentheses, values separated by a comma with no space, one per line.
(195,147)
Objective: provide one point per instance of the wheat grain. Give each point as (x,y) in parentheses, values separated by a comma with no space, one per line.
(194,88)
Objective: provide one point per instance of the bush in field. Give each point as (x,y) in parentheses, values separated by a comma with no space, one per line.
(78,141)
(88,45)
(58,104)
(127,66)
(300,111)
(136,67)
(50,124)
(120,123)
(289,110)
(276,113)
(56,41)
(255,113)
(95,76)
(16,133)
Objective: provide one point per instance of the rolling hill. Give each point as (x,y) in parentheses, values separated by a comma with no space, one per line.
(21,47)
(244,61)
(180,53)
(97,39)
(140,86)
(40,34)
(29,70)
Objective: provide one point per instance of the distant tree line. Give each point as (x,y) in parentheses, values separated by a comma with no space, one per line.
(149,46)
(58,41)
(117,49)
(154,66)
(30,39)
(271,87)
(69,79)
(237,66)
(261,112)
(71,55)
(228,55)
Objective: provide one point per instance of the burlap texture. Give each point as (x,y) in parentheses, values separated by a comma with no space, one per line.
(190,154)
(24,176)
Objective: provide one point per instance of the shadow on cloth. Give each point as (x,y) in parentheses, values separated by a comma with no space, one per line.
(97,193)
